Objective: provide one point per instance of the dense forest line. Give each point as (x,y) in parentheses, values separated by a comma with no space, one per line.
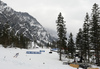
(87,39)
(8,37)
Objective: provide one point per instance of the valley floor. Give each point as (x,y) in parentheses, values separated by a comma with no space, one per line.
(45,60)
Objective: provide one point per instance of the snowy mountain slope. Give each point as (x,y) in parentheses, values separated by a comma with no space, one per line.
(24,23)
(30,61)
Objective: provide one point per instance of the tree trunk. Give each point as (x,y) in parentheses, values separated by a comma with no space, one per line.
(60,55)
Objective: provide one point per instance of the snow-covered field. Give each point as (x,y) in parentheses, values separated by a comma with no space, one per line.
(30,61)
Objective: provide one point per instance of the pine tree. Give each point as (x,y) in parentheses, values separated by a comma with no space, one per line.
(95,31)
(26,42)
(16,41)
(1,32)
(12,35)
(61,30)
(71,45)
(6,35)
(86,37)
(79,42)
(35,40)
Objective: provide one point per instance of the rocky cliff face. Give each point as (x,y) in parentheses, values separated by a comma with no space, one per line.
(24,23)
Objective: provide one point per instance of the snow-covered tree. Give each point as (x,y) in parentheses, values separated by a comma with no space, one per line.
(86,37)
(61,31)
(71,45)
(95,31)
(79,42)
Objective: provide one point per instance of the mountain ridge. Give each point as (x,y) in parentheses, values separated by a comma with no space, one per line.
(24,23)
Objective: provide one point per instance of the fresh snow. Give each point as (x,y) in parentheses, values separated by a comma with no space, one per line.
(30,61)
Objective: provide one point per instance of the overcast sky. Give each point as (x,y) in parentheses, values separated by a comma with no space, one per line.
(46,11)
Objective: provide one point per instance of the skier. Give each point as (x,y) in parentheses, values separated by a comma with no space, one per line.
(16,55)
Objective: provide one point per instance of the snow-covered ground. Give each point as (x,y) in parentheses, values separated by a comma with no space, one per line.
(30,61)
